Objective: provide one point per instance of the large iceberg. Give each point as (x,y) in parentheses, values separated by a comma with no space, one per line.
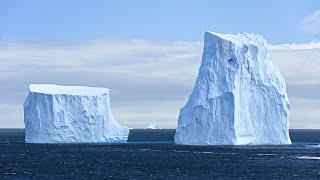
(239,96)
(70,114)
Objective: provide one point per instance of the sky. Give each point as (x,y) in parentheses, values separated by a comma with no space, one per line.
(148,52)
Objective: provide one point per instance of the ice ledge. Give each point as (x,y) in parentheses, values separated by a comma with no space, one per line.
(70,90)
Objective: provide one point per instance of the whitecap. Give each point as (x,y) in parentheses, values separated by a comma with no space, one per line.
(182,151)
(144,149)
(314,146)
(308,157)
(204,152)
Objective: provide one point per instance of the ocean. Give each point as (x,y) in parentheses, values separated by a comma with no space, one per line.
(152,154)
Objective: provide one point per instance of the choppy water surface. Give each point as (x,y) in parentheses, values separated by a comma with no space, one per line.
(153,154)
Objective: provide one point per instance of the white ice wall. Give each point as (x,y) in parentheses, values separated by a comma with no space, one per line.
(239,96)
(70,114)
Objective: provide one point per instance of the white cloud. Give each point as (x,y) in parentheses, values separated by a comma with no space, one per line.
(298,66)
(303,46)
(11,116)
(305,113)
(149,81)
(311,23)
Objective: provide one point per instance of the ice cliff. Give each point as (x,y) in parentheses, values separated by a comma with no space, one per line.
(70,114)
(239,96)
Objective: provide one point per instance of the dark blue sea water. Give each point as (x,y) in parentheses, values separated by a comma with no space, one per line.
(152,154)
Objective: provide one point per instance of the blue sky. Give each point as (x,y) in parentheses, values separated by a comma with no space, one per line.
(165,20)
(148,52)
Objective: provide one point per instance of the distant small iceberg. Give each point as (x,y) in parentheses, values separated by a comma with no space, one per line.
(154,126)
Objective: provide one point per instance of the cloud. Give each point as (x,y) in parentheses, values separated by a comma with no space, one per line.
(311,23)
(298,63)
(11,116)
(149,81)
(305,113)
(303,46)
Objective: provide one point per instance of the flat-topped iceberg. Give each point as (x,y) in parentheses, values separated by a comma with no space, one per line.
(239,96)
(70,114)
(154,126)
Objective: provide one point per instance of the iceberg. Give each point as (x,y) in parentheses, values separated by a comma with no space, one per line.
(70,114)
(239,96)
(154,126)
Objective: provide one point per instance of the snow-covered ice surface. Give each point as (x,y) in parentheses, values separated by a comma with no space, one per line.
(70,114)
(239,96)
(154,126)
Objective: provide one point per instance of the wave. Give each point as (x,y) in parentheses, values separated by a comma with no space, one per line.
(308,157)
